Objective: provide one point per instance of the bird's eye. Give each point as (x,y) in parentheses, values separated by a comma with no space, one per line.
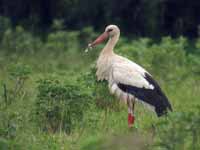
(109,30)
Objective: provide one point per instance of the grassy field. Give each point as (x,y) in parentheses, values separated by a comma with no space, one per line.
(49,98)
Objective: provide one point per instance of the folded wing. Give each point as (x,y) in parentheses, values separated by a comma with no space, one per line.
(133,79)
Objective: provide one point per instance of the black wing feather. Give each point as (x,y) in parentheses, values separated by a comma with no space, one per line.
(153,97)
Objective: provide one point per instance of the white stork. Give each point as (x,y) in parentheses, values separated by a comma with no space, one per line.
(127,80)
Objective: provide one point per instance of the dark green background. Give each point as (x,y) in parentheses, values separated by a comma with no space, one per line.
(153,18)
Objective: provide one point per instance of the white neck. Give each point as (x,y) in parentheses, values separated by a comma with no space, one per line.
(108,49)
(103,62)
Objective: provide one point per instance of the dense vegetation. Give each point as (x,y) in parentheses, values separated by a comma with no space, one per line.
(153,18)
(50,99)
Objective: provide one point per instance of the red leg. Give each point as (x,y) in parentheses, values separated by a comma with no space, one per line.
(131,120)
(131,117)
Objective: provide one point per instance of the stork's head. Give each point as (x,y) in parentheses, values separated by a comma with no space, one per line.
(110,32)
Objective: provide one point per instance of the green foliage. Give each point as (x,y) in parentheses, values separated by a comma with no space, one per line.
(180,130)
(19,71)
(59,106)
(62,41)
(169,57)
(18,75)
(20,41)
(10,122)
(73,101)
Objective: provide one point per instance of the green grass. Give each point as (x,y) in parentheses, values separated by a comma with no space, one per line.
(102,127)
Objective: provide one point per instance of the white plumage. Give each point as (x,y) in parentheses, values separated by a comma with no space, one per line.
(126,79)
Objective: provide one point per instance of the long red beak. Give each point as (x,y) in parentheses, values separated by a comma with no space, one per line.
(99,40)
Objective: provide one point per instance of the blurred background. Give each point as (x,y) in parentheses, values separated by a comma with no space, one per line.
(49,96)
(135,17)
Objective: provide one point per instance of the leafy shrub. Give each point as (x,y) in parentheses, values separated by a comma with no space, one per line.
(10,117)
(18,73)
(194,64)
(62,41)
(19,41)
(180,130)
(170,56)
(10,122)
(8,125)
(59,106)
